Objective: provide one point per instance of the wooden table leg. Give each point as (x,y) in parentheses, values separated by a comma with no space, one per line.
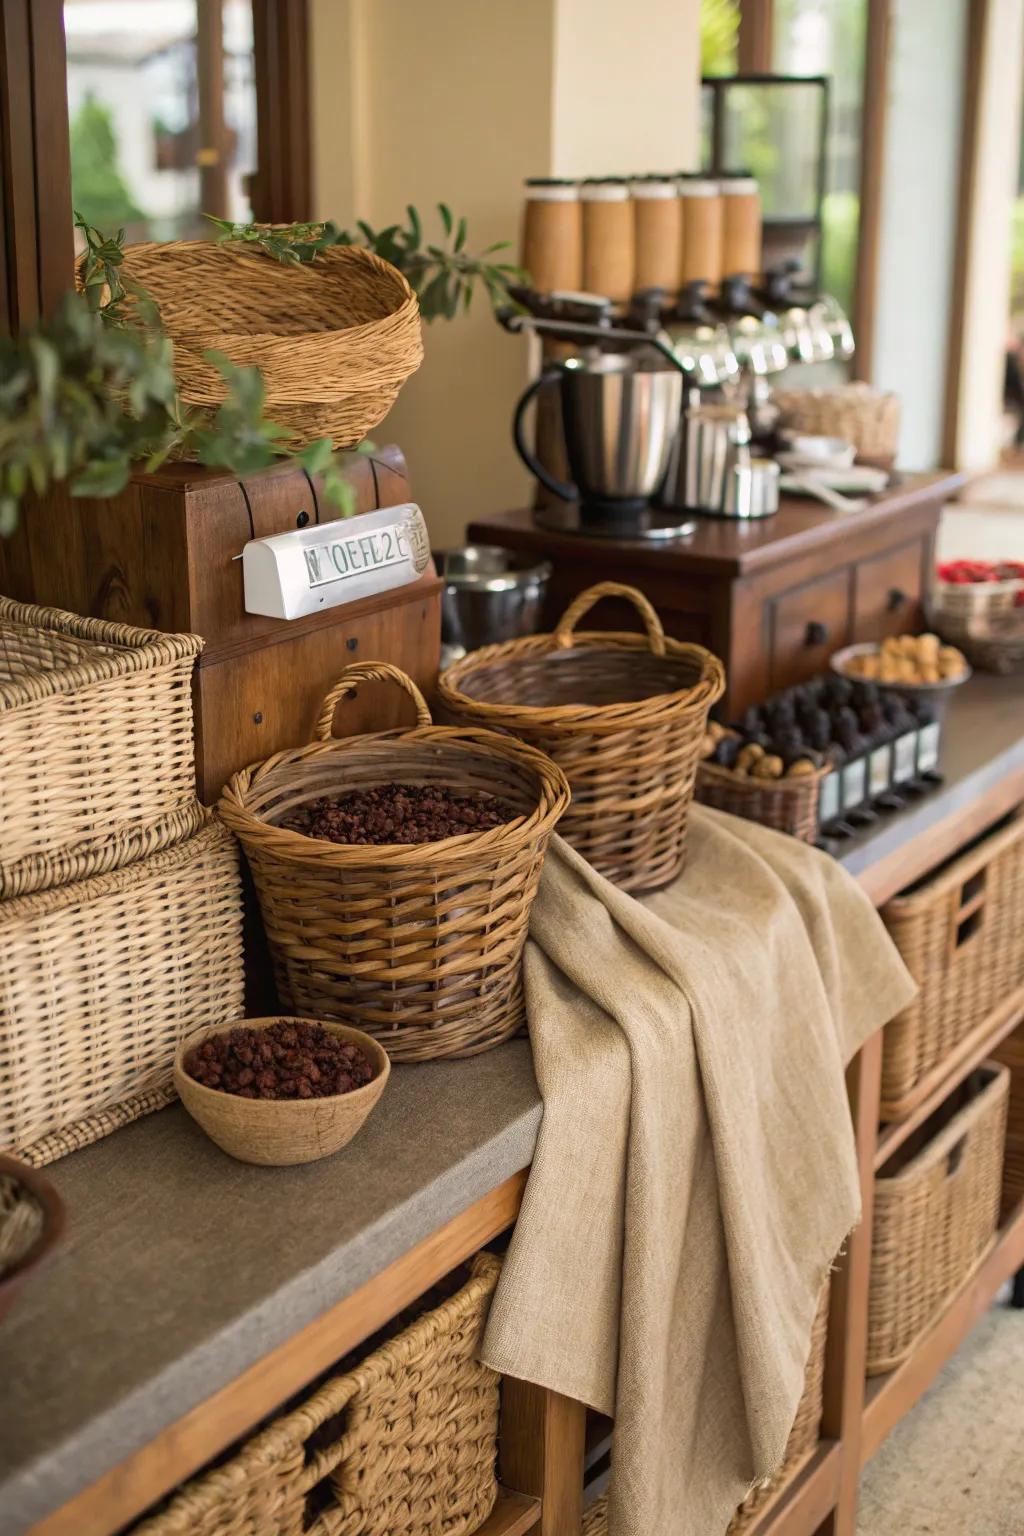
(848,1311)
(541,1449)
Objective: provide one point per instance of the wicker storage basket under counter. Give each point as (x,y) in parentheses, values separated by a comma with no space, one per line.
(335,339)
(96,750)
(961,934)
(403,1444)
(101,979)
(421,944)
(936,1214)
(1010,1054)
(623,716)
(787,804)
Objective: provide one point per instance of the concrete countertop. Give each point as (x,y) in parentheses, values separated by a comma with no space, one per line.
(181,1268)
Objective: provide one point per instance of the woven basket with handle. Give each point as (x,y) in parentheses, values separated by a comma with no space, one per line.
(335,339)
(623,715)
(418,944)
(403,1443)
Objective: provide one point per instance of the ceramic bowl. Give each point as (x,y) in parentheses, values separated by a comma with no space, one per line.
(807,451)
(53,1228)
(280,1132)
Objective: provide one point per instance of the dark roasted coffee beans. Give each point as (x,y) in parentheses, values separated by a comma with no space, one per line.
(287,1060)
(398,813)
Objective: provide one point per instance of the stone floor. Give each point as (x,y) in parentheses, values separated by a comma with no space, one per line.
(986,524)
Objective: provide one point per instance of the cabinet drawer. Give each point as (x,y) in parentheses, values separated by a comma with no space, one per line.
(805,625)
(887,592)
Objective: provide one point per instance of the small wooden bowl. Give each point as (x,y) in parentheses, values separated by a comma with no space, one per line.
(54,1220)
(280,1132)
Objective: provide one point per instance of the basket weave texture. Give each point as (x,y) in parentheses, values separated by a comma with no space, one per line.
(403,1445)
(97,763)
(335,339)
(936,1213)
(101,979)
(622,715)
(788,805)
(985,619)
(866,417)
(962,938)
(1010,1054)
(803,1440)
(419,945)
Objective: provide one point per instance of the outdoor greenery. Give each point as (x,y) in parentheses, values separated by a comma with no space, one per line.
(719,36)
(98,188)
(442,273)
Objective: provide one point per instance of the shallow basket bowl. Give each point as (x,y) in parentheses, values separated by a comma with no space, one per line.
(280,1132)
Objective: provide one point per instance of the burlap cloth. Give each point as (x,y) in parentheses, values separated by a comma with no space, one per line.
(695,1173)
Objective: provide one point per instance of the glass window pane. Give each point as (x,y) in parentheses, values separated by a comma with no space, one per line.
(827,37)
(133,106)
(719,36)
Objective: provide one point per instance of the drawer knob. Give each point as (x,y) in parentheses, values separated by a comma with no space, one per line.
(895,599)
(816,633)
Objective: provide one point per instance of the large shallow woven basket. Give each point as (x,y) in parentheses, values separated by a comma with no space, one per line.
(623,716)
(403,1444)
(335,339)
(420,945)
(97,762)
(803,1440)
(788,805)
(936,1212)
(961,934)
(100,980)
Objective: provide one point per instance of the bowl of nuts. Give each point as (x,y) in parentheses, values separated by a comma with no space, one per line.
(280,1091)
(920,667)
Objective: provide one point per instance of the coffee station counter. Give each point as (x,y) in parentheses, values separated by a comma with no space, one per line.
(185,1356)
(775,597)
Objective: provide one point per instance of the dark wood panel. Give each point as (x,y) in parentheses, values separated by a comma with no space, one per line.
(282,186)
(872,163)
(805,625)
(888,591)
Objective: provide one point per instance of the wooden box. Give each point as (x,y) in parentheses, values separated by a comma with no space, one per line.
(774,598)
(164,554)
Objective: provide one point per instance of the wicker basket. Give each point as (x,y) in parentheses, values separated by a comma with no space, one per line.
(803,1441)
(335,339)
(404,1444)
(866,417)
(1010,1054)
(419,945)
(936,1214)
(788,805)
(99,981)
(32,1221)
(960,932)
(623,715)
(97,763)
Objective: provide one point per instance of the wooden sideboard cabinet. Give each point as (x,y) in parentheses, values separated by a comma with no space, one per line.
(164,555)
(772,598)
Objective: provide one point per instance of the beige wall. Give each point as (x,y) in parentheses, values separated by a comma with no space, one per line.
(459,100)
(987,294)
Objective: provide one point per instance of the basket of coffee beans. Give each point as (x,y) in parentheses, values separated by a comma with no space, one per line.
(282,1090)
(396,871)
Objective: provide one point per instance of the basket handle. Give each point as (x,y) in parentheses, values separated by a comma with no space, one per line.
(586,600)
(367,672)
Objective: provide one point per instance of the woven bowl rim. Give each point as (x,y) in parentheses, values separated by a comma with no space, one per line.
(203,338)
(706,690)
(54,1224)
(551,785)
(215,1096)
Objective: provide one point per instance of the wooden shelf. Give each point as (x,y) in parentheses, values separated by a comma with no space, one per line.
(960,1064)
(513,1514)
(802,1504)
(889,1397)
